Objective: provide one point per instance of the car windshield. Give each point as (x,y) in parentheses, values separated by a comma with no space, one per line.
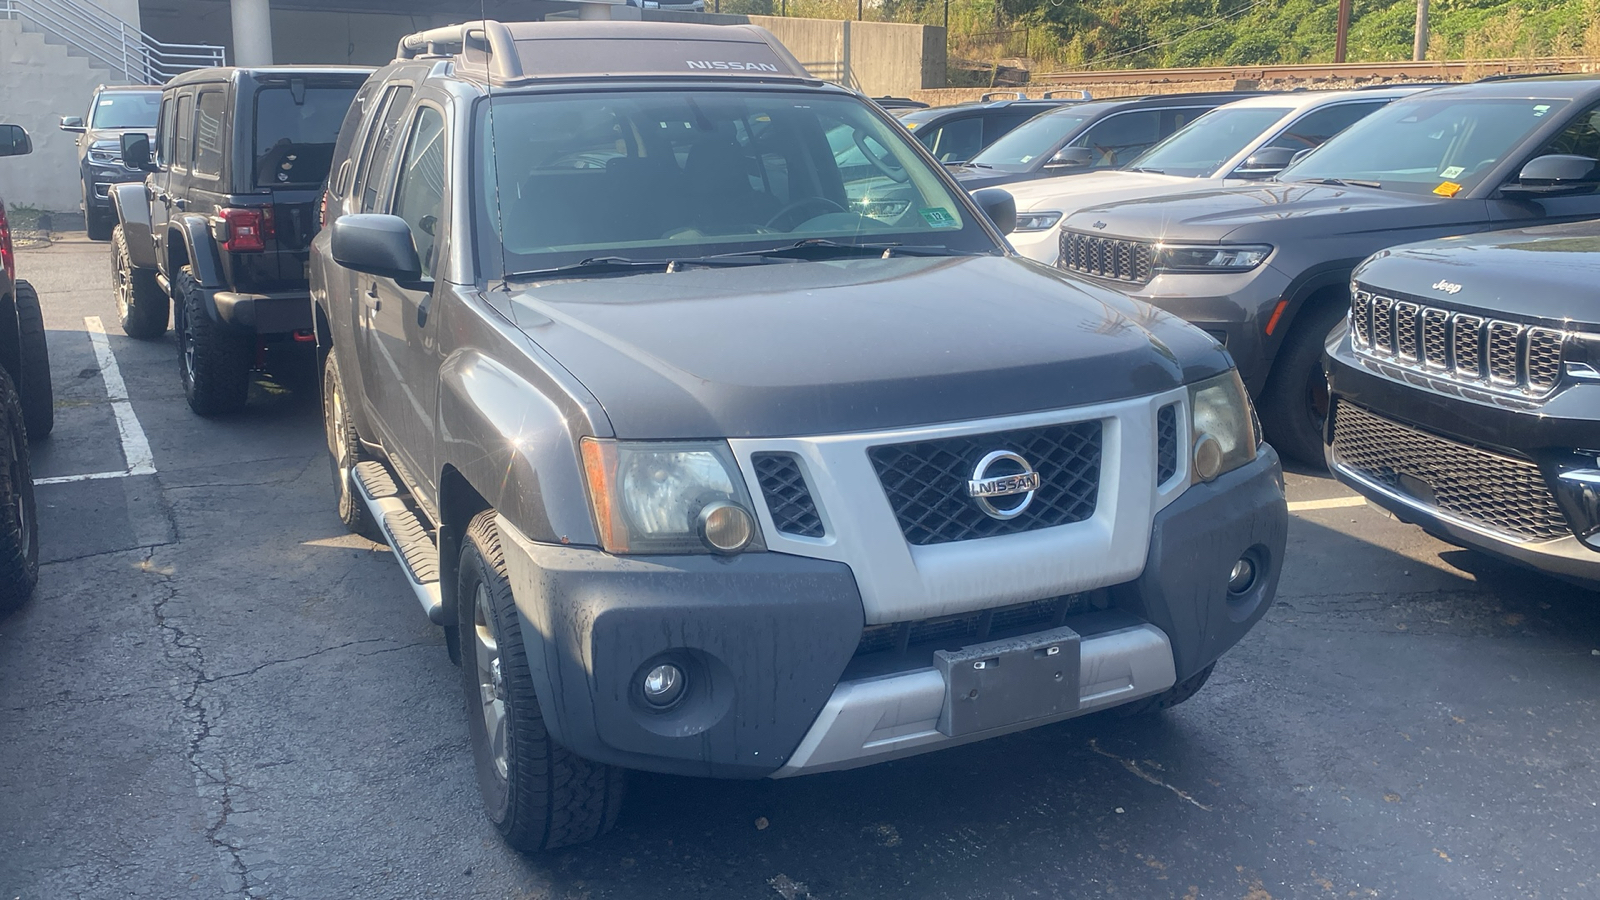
(1029,141)
(1201,147)
(126,109)
(296,128)
(1443,145)
(673,175)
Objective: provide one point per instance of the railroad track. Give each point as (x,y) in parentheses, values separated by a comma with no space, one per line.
(1450,70)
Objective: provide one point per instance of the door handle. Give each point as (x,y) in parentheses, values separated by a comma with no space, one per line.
(180,204)
(372,294)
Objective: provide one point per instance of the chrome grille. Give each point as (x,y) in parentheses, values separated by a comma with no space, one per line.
(1130,261)
(1494,354)
(1499,492)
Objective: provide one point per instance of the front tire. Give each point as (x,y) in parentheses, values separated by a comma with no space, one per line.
(142,307)
(19,530)
(1294,406)
(213,362)
(38,396)
(344,451)
(537,793)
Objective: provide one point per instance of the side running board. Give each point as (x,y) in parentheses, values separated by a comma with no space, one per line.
(410,539)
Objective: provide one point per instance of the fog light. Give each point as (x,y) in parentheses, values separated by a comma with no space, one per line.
(1242,577)
(663,685)
(726,527)
(1207,457)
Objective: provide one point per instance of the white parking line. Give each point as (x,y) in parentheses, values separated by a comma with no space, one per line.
(1335,503)
(135,446)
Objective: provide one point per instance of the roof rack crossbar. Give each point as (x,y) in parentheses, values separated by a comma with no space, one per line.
(485,36)
(1008,95)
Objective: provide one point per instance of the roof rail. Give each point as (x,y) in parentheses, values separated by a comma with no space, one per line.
(1002,95)
(1067,92)
(484,43)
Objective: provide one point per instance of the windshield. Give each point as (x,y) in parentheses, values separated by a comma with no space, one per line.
(126,109)
(1202,146)
(1443,145)
(295,132)
(1029,141)
(671,175)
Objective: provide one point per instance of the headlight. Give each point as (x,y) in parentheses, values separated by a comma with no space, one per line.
(656,497)
(1234,258)
(1224,427)
(1037,221)
(105,155)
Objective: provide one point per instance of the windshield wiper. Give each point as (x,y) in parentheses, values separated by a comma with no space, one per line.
(970,165)
(823,248)
(1342,182)
(621,265)
(1145,169)
(809,249)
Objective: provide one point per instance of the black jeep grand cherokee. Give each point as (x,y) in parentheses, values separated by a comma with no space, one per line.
(1466,393)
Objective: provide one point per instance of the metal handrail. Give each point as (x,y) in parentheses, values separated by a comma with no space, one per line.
(110,41)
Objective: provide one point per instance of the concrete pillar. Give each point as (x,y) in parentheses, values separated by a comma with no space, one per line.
(252,32)
(597,12)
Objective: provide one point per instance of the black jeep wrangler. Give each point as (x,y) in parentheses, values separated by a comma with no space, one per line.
(222,223)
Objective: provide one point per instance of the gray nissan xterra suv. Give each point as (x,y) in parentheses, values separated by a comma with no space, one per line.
(725,436)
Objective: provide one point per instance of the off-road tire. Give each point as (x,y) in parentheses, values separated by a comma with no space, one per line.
(1168,698)
(142,307)
(38,397)
(344,451)
(99,226)
(19,530)
(213,362)
(1288,412)
(550,798)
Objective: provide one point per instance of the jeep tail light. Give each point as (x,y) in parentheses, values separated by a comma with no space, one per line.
(246,229)
(7,263)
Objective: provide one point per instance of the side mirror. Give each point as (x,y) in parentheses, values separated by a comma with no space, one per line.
(1071,158)
(136,151)
(378,245)
(1556,173)
(73,124)
(999,206)
(14,141)
(1266,161)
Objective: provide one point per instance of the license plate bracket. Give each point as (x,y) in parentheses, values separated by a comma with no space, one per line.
(1005,682)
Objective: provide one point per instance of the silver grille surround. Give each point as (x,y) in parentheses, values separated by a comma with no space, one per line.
(1497,355)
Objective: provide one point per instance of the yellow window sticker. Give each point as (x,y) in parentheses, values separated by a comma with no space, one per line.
(1447,189)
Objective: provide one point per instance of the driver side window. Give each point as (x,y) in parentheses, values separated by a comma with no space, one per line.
(1119,138)
(419,196)
(1580,138)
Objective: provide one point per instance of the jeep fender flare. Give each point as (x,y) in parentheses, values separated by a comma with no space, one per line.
(130,204)
(192,232)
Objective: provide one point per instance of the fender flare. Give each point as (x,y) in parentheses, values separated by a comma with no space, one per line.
(193,231)
(130,205)
(1301,290)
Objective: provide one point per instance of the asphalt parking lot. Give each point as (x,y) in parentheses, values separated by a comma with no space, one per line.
(217,692)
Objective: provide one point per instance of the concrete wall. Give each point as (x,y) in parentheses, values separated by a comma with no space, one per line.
(298,36)
(39,83)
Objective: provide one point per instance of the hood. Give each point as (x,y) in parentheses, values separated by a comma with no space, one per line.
(1269,213)
(816,348)
(1545,273)
(1095,188)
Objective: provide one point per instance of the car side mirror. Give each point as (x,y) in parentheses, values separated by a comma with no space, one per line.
(14,141)
(136,151)
(999,206)
(1556,173)
(1266,161)
(1071,158)
(73,124)
(378,245)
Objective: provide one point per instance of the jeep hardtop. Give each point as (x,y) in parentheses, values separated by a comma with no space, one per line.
(725,436)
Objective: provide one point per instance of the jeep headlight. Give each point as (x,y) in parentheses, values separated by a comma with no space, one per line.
(105,153)
(1037,221)
(1223,425)
(659,497)
(1214,258)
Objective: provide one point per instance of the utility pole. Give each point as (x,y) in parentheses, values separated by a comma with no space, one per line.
(1343,32)
(1419,49)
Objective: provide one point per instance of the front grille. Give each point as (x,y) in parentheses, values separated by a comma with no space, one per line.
(957,631)
(788,498)
(1130,261)
(1490,353)
(926,481)
(1166,443)
(1500,492)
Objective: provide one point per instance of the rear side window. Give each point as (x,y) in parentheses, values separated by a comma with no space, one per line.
(183,149)
(340,183)
(296,127)
(379,140)
(208,133)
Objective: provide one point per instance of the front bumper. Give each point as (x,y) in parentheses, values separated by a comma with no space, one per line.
(1560,435)
(773,637)
(98,181)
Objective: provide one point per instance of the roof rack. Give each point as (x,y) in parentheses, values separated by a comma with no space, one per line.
(1002,95)
(487,40)
(1066,92)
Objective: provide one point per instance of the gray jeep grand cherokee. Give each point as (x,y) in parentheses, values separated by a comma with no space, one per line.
(725,436)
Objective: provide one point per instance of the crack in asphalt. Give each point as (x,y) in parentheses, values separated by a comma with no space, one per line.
(300,473)
(1133,769)
(276,662)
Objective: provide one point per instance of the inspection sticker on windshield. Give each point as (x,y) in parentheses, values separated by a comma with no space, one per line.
(1540,110)
(938,217)
(1452,172)
(1447,189)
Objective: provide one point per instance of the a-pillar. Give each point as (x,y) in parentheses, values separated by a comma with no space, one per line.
(252,32)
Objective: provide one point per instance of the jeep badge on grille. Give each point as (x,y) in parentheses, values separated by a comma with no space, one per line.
(1019,479)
